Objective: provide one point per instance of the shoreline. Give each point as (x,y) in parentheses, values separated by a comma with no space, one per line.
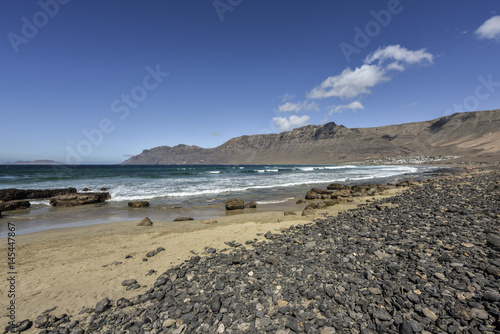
(43,217)
(76,267)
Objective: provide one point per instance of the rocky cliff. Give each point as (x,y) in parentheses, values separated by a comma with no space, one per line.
(472,136)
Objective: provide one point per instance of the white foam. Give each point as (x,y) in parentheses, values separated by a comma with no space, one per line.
(40,202)
(275,201)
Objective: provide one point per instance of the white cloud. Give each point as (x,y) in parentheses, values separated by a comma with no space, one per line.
(350,83)
(400,54)
(285,124)
(353,106)
(490,29)
(286,97)
(296,107)
(396,66)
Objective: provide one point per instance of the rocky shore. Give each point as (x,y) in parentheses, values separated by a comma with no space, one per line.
(16,199)
(424,261)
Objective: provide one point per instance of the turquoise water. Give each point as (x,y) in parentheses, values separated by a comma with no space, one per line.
(176,186)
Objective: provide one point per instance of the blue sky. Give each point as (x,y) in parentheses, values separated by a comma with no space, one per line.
(95,81)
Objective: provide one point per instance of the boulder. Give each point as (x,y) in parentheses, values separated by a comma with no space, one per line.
(311,206)
(300,201)
(319,191)
(18,194)
(311,195)
(12,194)
(138,204)
(182,219)
(334,186)
(47,193)
(341,193)
(290,213)
(359,188)
(145,222)
(308,212)
(235,204)
(14,205)
(78,199)
(251,205)
(332,202)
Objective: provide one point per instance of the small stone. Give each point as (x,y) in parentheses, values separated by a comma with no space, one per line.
(491,296)
(308,212)
(102,306)
(416,326)
(209,221)
(168,323)
(183,219)
(151,253)
(327,330)
(375,291)
(268,235)
(493,270)
(480,313)
(290,213)
(440,276)
(381,314)
(445,257)
(381,255)
(429,314)
(405,328)
(160,281)
(251,205)
(138,204)
(145,222)
(129,282)
(282,303)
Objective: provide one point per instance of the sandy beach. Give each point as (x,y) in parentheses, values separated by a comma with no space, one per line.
(74,268)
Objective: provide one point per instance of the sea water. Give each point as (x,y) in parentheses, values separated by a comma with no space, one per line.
(174,186)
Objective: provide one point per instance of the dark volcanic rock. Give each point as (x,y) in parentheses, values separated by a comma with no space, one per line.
(14,205)
(182,219)
(251,205)
(78,199)
(138,204)
(145,222)
(235,204)
(18,194)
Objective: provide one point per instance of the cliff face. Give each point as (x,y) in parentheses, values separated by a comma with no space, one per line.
(473,135)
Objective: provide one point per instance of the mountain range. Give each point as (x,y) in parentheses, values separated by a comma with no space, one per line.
(470,136)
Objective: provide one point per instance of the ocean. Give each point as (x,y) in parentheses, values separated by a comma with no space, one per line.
(199,191)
